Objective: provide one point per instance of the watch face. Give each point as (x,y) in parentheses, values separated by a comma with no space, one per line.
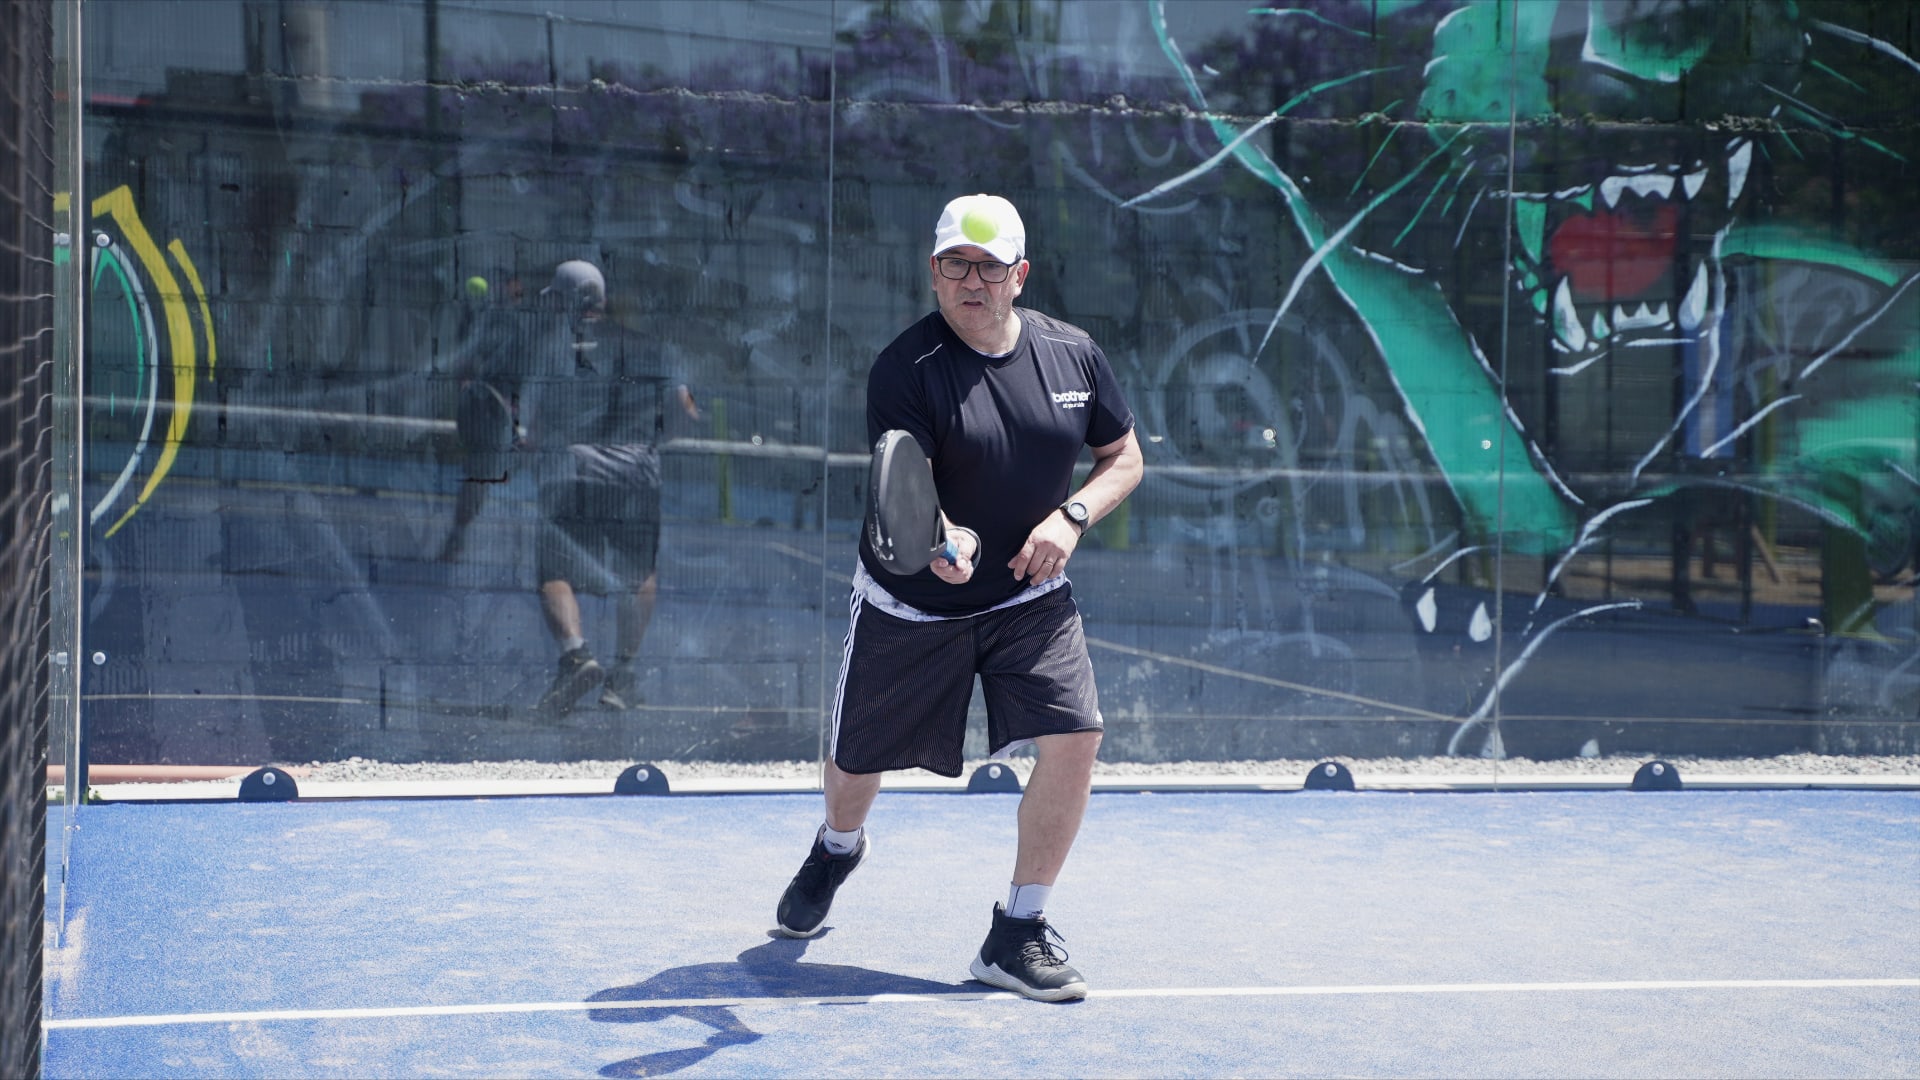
(1077,512)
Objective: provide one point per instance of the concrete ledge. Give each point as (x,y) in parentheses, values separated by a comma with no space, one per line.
(204,790)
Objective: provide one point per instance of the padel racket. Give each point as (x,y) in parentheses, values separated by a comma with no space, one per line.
(903,507)
(484,418)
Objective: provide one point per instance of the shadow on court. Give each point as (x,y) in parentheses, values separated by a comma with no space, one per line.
(770,970)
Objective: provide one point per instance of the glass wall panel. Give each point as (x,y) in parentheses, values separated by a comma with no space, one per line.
(366,455)
(64,714)
(1516,380)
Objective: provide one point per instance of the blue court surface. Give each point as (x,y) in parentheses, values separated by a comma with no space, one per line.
(1695,933)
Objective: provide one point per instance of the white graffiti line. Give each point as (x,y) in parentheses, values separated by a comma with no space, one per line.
(1404,268)
(1064,155)
(113,251)
(1400,567)
(1450,560)
(1540,463)
(1204,167)
(1708,338)
(1752,420)
(1863,39)
(1812,113)
(1148,157)
(1585,540)
(1460,182)
(1320,253)
(1575,369)
(1520,662)
(1814,364)
(1238,140)
(1468,218)
(1315,16)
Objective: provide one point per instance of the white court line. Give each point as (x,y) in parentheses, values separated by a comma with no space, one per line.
(163,1020)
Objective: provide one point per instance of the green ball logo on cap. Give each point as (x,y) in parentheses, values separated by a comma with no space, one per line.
(979,225)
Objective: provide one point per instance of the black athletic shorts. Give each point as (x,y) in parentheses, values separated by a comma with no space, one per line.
(905,684)
(600,531)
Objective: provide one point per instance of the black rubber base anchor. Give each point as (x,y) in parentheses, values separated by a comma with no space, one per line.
(642,779)
(1657,776)
(1330,776)
(268,784)
(993,777)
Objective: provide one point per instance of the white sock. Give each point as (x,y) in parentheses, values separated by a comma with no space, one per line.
(572,643)
(1027,901)
(840,843)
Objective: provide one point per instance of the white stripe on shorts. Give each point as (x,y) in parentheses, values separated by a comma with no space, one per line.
(854,602)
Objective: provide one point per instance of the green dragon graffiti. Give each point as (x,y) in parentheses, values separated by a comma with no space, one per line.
(1599,259)
(1612,156)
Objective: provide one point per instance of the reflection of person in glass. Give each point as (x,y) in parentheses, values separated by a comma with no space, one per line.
(485,419)
(1002,399)
(594,409)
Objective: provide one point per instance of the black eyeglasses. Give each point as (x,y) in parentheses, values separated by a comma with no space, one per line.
(955,268)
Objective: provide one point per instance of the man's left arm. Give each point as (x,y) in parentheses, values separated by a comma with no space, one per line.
(1117,468)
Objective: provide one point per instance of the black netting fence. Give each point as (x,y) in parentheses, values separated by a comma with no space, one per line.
(26,415)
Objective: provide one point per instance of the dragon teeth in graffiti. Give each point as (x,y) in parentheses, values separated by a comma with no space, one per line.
(1608,231)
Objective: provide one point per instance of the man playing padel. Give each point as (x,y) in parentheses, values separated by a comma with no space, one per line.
(1002,400)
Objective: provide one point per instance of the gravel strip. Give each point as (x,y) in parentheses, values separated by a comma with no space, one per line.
(360,769)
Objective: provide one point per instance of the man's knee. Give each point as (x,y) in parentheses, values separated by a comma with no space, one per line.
(1073,747)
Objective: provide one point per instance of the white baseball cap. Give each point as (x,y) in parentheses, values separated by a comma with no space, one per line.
(578,284)
(988,222)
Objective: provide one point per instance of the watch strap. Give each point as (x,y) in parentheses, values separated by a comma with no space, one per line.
(1079,526)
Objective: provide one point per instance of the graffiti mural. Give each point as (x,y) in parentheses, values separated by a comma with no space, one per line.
(130,278)
(1660,272)
(1524,379)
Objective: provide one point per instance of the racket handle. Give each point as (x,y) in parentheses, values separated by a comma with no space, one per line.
(951,551)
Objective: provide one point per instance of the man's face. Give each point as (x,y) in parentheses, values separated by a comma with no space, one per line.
(971,305)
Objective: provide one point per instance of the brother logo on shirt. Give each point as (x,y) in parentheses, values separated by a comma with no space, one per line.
(1071,399)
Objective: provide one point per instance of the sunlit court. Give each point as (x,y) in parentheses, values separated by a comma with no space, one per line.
(1303,933)
(959,538)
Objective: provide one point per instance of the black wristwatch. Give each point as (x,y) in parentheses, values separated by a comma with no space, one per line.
(1077,513)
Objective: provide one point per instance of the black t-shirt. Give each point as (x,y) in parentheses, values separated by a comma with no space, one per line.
(1003,435)
(588,392)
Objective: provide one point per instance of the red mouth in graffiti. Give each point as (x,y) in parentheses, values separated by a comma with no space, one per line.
(1615,254)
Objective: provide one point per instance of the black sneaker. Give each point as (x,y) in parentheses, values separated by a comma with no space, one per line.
(803,907)
(620,691)
(579,672)
(1019,957)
